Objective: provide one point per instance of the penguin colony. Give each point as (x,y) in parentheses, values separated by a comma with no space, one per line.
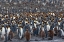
(32,25)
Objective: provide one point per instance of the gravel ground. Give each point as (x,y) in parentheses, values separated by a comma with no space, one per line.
(38,39)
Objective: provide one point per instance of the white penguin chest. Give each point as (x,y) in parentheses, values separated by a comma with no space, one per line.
(48,27)
(3,30)
(8,30)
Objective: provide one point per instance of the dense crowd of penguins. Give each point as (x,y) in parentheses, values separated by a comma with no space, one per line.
(44,26)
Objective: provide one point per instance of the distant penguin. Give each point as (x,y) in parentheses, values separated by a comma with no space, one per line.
(27,35)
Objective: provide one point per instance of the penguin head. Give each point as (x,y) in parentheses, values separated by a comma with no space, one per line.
(2,26)
(21,27)
(8,26)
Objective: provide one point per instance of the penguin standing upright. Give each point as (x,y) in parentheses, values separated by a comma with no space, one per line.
(3,33)
(31,29)
(45,28)
(62,34)
(21,32)
(51,34)
(55,31)
(48,27)
(42,33)
(8,30)
(10,35)
(27,35)
(59,28)
(59,32)
(35,30)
